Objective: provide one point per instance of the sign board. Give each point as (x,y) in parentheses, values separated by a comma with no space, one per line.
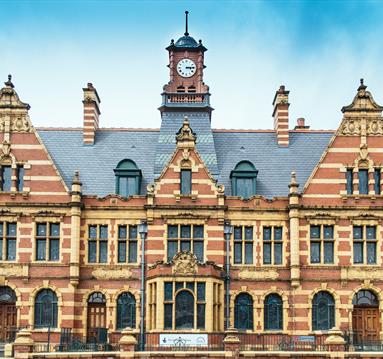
(184,340)
(306,338)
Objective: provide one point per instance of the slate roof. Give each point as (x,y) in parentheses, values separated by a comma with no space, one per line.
(96,163)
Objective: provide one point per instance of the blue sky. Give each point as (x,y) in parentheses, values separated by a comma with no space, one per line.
(318,49)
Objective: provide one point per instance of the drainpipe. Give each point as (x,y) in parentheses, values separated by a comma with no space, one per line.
(143,230)
(228,230)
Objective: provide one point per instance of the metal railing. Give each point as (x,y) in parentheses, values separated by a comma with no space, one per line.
(357,341)
(187,98)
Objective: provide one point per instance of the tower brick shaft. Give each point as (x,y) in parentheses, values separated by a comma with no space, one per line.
(91,114)
(281,116)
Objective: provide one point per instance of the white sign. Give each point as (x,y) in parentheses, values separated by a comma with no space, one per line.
(183,340)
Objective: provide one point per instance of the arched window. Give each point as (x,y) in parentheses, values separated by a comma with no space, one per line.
(365,298)
(243,312)
(7,295)
(46,309)
(243,179)
(97,297)
(323,311)
(126,311)
(184,310)
(273,308)
(128,178)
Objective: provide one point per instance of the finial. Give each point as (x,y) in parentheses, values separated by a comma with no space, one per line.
(186,23)
(9,82)
(362,85)
(76,177)
(172,42)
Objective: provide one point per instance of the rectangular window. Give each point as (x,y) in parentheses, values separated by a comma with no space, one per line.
(98,244)
(8,234)
(350,181)
(127,244)
(186,182)
(20,178)
(243,245)
(47,241)
(363,181)
(186,238)
(322,244)
(244,187)
(6,178)
(377,179)
(272,245)
(365,244)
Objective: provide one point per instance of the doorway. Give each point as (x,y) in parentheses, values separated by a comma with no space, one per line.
(96,318)
(8,314)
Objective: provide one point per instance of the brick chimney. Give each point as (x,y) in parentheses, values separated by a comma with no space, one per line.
(281,116)
(91,114)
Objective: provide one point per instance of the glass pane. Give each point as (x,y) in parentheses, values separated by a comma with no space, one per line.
(266,253)
(190,285)
(179,285)
(132,186)
(201,291)
(371,232)
(358,252)
(198,250)
(54,250)
(168,291)
(185,182)
(20,178)
(349,179)
(249,253)
(266,233)
(103,252)
(121,231)
(40,249)
(123,186)
(314,231)
(244,187)
(185,232)
(358,232)
(168,315)
(371,252)
(55,230)
(103,232)
(363,181)
(328,232)
(41,230)
(200,316)
(92,232)
(243,312)
(315,252)
(329,252)
(7,181)
(172,231)
(184,310)
(185,246)
(377,177)
(237,232)
(197,231)
(132,251)
(277,253)
(121,251)
(1,249)
(172,249)
(237,252)
(133,232)
(11,230)
(92,245)
(11,249)
(273,312)
(1,229)
(277,233)
(248,232)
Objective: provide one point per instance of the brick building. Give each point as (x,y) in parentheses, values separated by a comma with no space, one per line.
(188,229)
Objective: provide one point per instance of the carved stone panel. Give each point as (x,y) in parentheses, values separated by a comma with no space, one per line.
(258,274)
(185,263)
(106,273)
(11,271)
(355,273)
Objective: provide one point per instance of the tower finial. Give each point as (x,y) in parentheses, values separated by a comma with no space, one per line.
(9,82)
(186,23)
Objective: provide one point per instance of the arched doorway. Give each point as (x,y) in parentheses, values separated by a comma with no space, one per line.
(365,316)
(8,314)
(96,318)
(184,310)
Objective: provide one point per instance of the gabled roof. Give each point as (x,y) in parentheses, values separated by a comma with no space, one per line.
(96,163)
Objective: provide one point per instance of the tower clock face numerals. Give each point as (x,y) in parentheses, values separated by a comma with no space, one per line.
(186,68)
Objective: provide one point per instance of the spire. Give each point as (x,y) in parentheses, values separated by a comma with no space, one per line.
(186,23)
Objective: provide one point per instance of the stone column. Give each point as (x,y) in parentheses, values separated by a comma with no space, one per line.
(127,343)
(23,344)
(232,343)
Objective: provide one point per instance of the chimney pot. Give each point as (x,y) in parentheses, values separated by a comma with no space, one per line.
(301,124)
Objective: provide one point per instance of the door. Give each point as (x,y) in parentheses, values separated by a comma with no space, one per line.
(365,324)
(96,320)
(7,321)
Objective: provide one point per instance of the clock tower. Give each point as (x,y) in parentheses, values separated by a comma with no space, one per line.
(186,94)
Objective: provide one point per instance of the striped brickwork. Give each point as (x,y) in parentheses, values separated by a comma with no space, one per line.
(91,114)
(281,116)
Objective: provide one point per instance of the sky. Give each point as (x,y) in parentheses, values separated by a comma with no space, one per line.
(318,49)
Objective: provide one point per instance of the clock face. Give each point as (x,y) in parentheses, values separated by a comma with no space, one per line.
(186,68)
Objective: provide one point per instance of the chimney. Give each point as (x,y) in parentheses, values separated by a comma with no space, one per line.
(301,125)
(281,116)
(91,114)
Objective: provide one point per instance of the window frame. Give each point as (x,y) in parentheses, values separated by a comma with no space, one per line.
(331,311)
(364,241)
(54,309)
(48,238)
(244,244)
(5,238)
(189,190)
(273,244)
(250,308)
(119,315)
(266,313)
(243,170)
(97,241)
(129,241)
(322,241)
(127,168)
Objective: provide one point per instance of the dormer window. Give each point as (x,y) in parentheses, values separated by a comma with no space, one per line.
(243,179)
(128,178)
